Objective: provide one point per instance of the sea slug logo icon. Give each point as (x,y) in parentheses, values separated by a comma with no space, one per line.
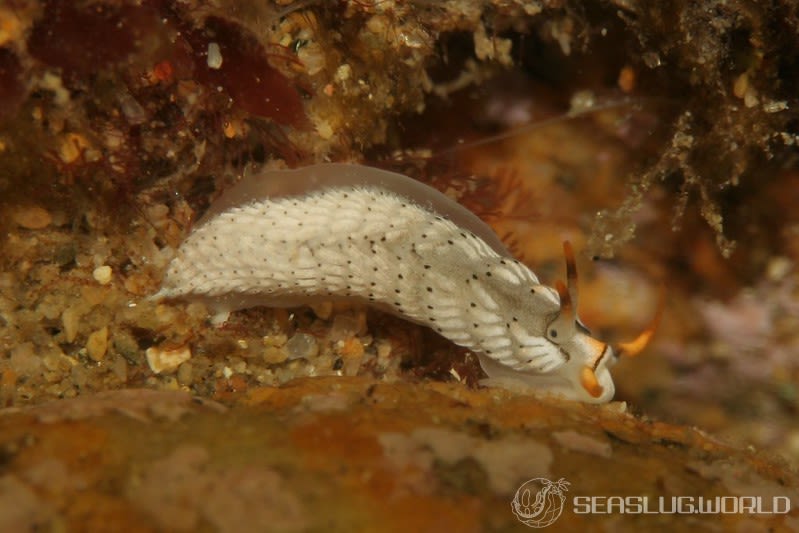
(539,501)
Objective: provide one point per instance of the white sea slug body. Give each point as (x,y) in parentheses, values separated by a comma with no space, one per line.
(288,238)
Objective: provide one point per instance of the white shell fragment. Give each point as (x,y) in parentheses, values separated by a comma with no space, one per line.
(290,238)
(162,360)
(103,274)
(214,59)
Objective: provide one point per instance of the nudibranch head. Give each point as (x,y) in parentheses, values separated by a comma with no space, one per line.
(584,374)
(588,360)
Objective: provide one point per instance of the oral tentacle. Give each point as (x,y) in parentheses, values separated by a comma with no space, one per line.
(590,382)
(637,345)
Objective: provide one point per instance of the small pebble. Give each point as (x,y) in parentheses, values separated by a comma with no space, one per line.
(32,217)
(163,360)
(97,344)
(103,274)
(79,376)
(185,374)
(275,349)
(302,346)
(24,360)
(274,356)
(70,319)
(120,367)
(214,56)
(138,284)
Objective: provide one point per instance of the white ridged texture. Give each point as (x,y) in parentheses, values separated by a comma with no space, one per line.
(361,239)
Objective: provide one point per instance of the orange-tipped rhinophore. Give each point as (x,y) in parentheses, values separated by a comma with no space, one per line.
(571,273)
(567,308)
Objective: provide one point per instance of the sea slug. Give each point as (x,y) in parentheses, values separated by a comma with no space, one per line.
(291,237)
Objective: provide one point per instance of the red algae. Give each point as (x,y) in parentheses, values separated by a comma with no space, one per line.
(81,41)
(245,73)
(12,91)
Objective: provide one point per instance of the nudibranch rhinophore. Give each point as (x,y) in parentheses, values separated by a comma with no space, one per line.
(285,238)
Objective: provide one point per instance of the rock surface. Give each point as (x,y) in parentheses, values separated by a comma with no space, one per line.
(354,454)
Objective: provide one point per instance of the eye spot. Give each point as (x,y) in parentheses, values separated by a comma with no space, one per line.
(553,333)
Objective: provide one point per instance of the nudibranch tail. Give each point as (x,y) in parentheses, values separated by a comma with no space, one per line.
(637,345)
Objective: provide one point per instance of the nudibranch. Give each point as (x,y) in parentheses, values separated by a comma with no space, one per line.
(286,238)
